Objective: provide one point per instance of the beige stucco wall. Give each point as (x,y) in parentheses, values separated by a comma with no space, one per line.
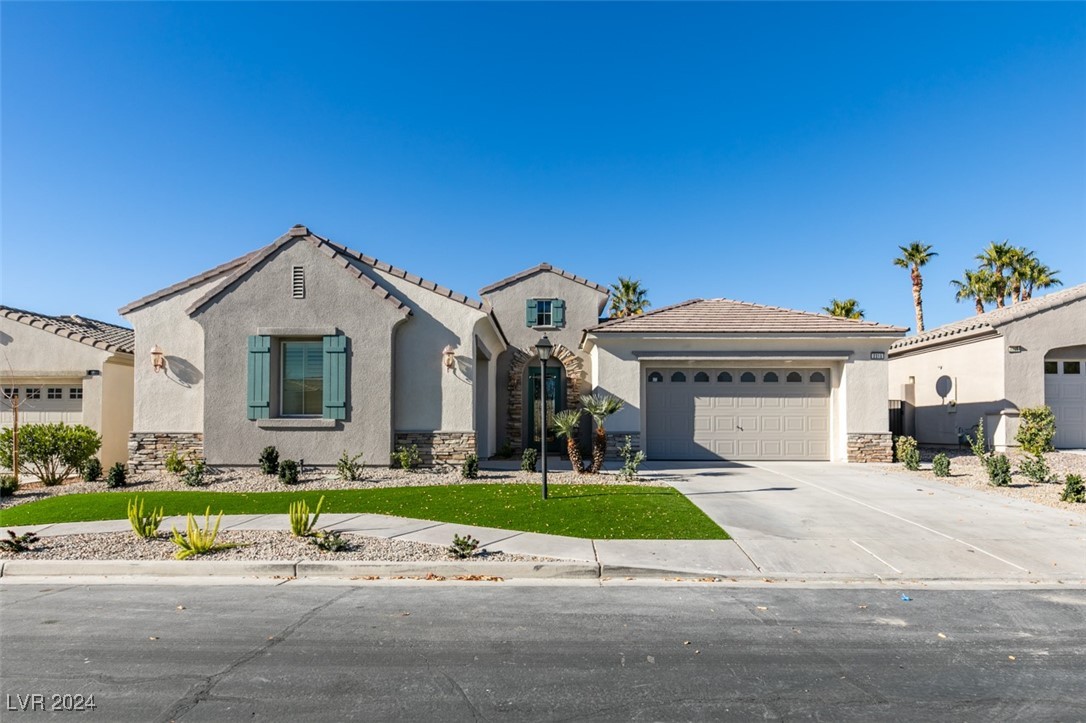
(858,384)
(116,417)
(1039,334)
(485,379)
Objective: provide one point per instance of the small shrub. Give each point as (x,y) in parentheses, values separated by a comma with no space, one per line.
(330,541)
(288,472)
(1035,469)
(1074,490)
(350,468)
(199,540)
(505,451)
(116,476)
(470,468)
(51,452)
(940,465)
(269,460)
(979,443)
(463,547)
(145,525)
(8,485)
(408,458)
(175,464)
(529,459)
(999,470)
(1036,430)
(193,476)
(631,461)
(19,543)
(301,523)
(907,453)
(92,470)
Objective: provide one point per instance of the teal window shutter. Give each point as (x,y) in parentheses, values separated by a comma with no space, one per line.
(530,316)
(259,387)
(558,311)
(335,377)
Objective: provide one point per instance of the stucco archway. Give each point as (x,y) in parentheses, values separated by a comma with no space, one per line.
(574,368)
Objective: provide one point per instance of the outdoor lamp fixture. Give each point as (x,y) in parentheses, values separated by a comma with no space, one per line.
(448,357)
(158,358)
(543,347)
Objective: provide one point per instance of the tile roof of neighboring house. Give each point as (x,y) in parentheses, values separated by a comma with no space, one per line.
(538,269)
(188,283)
(991,320)
(725,316)
(92,332)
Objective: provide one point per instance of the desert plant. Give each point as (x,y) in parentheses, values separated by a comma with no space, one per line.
(18,543)
(529,459)
(940,465)
(92,470)
(407,457)
(199,540)
(175,464)
(51,452)
(1074,490)
(566,423)
(1036,429)
(8,485)
(470,468)
(350,468)
(288,472)
(505,451)
(1036,469)
(193,474)
(145,525)
(907,453)
(999,470)
(330,541)
(600,407)
(978,443)
(301,523)
(269,460)
(463,547)
(631,461)
(116,476)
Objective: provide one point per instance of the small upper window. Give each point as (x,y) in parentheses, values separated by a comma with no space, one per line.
(75,393)
(724,377)
(678,377)
(748,377)
(33,392)
(655,377)
(794,377)
(701,377)
(771,377)
(1052,367)
(54,393)
(543,312)
(818,377)
(297,282)
(1072,367)
(11,393)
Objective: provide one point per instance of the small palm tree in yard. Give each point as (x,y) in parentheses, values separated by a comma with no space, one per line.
(566,423)
(912,258)
(847,309)
(628,298)
(600,407)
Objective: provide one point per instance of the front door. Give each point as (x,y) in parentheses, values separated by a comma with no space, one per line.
(555,403)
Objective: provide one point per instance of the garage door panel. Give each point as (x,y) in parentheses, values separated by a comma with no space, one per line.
(1066,395)
(772,424)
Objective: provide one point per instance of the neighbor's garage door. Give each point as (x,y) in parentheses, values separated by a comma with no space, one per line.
(737,413)
(1065,392)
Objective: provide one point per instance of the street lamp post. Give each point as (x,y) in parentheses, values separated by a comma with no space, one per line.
(544,348)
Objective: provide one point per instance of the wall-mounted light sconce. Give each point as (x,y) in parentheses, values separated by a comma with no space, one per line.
(1016,349)
(448,358)
(158,359)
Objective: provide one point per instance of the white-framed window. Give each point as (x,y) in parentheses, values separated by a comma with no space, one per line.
(54,393)
(544,312)
(75,393)
(11,392)
(301,378)
(33,392)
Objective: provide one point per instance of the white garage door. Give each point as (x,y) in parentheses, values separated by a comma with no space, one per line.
(737,414)
(1065,392)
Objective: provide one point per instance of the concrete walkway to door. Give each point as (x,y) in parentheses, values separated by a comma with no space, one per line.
(845,521)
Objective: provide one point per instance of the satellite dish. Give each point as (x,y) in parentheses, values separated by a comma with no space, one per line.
(943,386)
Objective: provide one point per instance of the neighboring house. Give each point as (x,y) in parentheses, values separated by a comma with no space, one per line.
(68,369)
(990,366)
(317,349)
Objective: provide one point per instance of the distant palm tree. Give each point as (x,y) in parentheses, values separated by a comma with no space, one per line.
(979,285)
(1020,259)
(998,257)
(566,423)
(912,257)
(1036,275)
(600,407)
(628,298)
(848,309)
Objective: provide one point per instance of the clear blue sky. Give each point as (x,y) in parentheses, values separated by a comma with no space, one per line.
(776,153)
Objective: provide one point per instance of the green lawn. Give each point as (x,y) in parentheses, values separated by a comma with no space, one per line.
(604,512)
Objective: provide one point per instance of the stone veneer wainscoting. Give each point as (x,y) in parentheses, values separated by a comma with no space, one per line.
(870,447)
(617,439)
(147,451)
(439,449)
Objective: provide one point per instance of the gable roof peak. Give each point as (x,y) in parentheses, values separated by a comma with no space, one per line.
(540,268)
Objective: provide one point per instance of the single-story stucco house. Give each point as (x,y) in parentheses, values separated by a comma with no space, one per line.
(990,366)
(318,349)
(68,369)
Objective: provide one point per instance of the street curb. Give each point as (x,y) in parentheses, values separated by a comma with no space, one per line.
(361,568)
(158,568)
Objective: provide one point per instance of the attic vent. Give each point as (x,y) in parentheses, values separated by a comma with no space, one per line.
(297,287)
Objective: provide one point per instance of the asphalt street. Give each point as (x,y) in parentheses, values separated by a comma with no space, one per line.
(497,651)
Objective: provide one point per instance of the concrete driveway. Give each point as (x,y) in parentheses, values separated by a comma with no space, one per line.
(793,518)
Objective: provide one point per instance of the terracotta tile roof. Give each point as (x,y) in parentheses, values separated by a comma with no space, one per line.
(99,334)
(188,283)
(990,321)
(725,316)
(540,269)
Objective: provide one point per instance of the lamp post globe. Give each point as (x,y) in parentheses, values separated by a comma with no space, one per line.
(543,348)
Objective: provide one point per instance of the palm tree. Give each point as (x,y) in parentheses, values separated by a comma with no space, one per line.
(996,258)
(1036,275)
(847,309)
(979,285)
(1020,258)
(628,298)
(913,257)
(600,407)
(566,423)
